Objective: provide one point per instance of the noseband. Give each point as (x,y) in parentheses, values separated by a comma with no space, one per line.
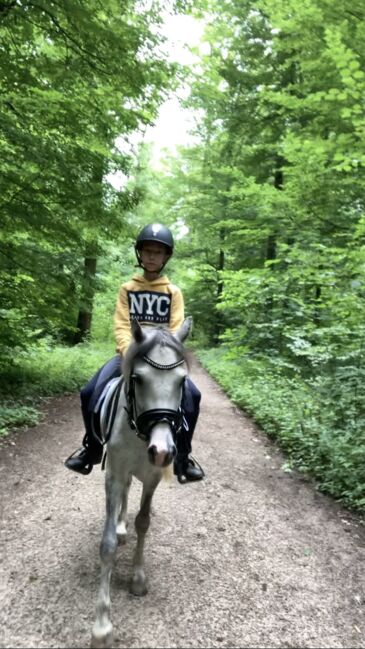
(144,422)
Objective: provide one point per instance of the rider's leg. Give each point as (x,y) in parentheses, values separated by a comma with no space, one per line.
(185,467)
(91,452)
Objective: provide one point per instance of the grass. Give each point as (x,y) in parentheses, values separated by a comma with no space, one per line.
(45,371)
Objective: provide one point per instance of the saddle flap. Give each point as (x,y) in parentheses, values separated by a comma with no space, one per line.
(106,406)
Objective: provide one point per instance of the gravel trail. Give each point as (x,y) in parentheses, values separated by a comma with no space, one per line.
(250,557)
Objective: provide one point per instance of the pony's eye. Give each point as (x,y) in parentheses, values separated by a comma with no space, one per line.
(137,378)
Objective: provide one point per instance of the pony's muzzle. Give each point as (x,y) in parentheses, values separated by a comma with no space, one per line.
(161,448)
(161,458)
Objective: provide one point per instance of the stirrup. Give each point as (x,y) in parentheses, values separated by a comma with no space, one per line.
(75,462)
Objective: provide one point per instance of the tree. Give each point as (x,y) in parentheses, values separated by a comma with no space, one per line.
(74,77)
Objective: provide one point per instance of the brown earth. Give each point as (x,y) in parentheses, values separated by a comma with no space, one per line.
(250,557)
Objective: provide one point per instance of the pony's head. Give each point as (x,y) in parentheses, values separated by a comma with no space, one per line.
(155,368)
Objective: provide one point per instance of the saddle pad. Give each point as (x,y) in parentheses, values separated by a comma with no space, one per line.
(107,404)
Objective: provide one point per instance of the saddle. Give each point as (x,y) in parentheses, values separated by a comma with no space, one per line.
(105,410)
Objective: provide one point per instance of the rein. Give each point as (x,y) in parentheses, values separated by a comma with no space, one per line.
(144,422)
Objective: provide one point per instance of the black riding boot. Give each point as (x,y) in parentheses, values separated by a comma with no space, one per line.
(83,459)
(187,469)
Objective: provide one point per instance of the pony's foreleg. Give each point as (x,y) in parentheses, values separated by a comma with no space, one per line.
(142,522)
(122,518)
(102,629)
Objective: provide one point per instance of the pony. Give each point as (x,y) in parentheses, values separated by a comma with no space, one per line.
(140,417)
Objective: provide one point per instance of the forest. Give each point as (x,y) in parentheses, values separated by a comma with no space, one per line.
(267,207)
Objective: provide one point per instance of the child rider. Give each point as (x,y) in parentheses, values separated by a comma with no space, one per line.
(153,300)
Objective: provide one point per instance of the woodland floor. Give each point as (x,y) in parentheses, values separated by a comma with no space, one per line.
(250,557)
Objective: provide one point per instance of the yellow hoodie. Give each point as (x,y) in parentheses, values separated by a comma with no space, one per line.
(153,303)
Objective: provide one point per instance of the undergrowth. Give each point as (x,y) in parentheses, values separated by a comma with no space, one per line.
(306,418)
(45,371)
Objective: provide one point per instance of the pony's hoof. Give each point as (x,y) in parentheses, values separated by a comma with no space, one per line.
(102,639)
(102,643)
(138,587)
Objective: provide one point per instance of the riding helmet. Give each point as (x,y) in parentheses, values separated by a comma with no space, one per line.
(155,232)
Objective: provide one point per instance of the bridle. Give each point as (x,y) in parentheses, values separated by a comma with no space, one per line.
(144,422)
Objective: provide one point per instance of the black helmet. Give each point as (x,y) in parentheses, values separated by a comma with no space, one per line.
(155,232)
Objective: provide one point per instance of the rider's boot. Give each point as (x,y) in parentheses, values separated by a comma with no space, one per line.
(187,469)
(83,459)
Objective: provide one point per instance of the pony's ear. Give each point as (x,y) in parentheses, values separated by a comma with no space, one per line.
(185,329)
(137,332)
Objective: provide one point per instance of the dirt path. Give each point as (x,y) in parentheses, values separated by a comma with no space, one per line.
(250,557)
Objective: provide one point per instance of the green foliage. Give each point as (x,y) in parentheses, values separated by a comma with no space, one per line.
(45,371)
(12,416)
(319,424)
(74,77)
(267,208)
(273,196)
(114,267)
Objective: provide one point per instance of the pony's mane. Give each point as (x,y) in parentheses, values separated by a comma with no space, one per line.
(156,336)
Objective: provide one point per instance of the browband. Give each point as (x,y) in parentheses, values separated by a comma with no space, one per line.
(158,366)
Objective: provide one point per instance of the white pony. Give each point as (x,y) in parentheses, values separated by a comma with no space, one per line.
(142,417)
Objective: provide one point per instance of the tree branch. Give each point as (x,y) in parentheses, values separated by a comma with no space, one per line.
(354,15)
(69,39)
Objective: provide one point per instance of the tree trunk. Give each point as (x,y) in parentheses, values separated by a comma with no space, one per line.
(317,300)
(278,184)
(86,308)
(91,250)
(219,326)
